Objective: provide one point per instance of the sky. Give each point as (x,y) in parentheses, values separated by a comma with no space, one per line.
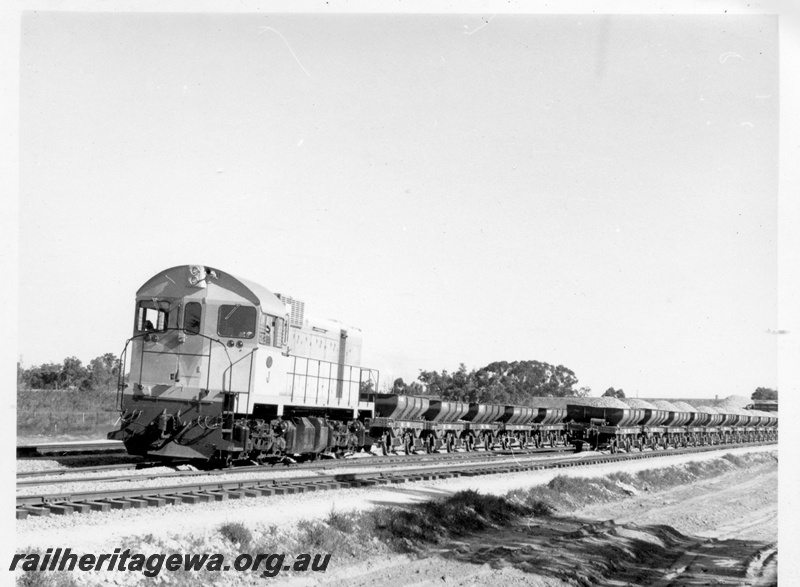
(594,191)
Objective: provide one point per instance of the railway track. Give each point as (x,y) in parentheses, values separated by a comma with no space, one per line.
(59,476)
(416,458)
(206,491)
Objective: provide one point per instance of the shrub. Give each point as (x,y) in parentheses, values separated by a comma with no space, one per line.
(236,532)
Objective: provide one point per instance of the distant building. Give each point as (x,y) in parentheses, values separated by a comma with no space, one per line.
(765,405)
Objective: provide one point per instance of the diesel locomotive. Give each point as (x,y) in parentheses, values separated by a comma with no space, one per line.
(222,369)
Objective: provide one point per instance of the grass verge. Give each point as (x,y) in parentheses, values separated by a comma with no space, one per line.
(50,412)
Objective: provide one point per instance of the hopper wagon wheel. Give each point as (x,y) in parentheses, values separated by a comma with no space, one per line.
(552,440)
(450,442)
(537,441)
(627,445)
(429,441)
(469,443)
(523,442)
(612,446)
(407,444)
(487,442)
(504,444)
(385,444)
(639,444)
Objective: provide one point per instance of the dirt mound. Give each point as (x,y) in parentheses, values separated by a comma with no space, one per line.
(734,401)
(548,402)
(599,402)
(639,403)
(665,405)
(684,407)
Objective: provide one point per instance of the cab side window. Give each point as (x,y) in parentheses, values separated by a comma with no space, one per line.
(191,317)
(270,330)
(265,328)
(152,316)
(280,332)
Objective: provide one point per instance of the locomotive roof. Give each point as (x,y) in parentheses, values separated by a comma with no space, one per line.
(174,282)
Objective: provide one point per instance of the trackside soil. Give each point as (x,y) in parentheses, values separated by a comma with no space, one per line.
(698,522)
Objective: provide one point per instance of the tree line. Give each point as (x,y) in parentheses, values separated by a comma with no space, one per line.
(100,374)
(501,382)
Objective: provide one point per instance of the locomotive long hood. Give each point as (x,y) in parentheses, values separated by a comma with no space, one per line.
(173,282)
